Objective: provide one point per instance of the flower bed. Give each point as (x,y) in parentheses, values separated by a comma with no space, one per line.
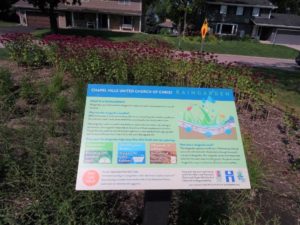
(93,59)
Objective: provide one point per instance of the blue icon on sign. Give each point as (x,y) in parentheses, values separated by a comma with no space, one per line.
(229,176)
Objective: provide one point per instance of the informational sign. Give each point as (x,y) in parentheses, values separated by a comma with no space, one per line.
(147,138)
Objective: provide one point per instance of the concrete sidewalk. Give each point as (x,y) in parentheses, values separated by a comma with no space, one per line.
(253,61)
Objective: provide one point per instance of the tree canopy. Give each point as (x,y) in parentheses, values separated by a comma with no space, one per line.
(288,6)
(49,6)
(182,12)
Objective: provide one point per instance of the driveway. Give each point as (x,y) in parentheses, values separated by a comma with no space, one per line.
(253,61)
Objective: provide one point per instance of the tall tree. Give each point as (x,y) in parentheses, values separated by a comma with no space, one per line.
(49,6)
(6,13)
(179,11)
(288,6)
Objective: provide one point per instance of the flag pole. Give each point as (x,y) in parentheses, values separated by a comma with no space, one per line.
(202,44)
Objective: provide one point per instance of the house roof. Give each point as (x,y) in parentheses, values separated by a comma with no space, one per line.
(279,20)
(113,7)
(255,3)
(167,24)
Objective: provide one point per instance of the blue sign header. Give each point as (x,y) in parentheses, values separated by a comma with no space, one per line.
(159,92)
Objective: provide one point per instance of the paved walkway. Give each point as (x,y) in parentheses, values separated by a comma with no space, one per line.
(253,61)
(296,47)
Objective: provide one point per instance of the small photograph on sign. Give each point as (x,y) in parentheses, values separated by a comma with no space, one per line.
(98,153)
(131,153)
(163,153)
(204,121)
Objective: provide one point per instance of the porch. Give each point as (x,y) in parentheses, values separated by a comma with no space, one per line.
(100,21)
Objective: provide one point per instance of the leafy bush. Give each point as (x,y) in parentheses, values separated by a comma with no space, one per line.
(49,92)
(5,82)
(95,60)
(7,96)
(164,31)
(27,90)
(60,105)
(25,50)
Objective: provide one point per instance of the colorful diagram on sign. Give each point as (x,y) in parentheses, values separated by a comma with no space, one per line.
(203,121)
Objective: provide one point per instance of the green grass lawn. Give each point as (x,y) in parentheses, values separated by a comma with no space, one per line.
(7,24)
(249,47)
(235,47)
(287,87)
(40,33)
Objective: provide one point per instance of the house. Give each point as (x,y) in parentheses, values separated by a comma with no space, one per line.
(279,28)
(169,26)
(114,15)
(254,18)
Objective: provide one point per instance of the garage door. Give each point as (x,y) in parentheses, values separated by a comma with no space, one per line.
(291,37)
(37,20)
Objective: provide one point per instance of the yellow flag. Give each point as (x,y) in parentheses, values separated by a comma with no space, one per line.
(204,29)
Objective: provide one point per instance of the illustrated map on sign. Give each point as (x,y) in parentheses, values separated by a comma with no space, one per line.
(204,121)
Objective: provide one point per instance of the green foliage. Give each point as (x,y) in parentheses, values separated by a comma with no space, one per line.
(164,31)
(27,90)
(48,93)
(5,82)
(60,105)
(37,182)
(7,96)
(151,71)
(51,55)
(27,52)
(116,71)
(89,66)
(79,96)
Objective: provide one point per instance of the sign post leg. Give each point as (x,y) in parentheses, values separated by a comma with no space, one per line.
(202,45)
(157,207)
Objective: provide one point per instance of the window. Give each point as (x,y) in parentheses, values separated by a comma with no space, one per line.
(226,29)
(223,9)
(127,23)
(127,20)
(240,11)
(255,12)
(103,21)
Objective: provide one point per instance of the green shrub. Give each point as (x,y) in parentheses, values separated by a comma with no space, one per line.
(26,51)
(6,83)
(151,71)
(89,66)
(52,56)
(49,92)
(164,31)
(27,90)
(60,105)
(7,96)
(116,71)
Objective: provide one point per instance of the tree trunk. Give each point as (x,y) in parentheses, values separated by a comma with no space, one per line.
(179,26)
(53,21)
(184,22)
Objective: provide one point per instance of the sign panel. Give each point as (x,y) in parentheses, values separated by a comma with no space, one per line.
(147,137)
